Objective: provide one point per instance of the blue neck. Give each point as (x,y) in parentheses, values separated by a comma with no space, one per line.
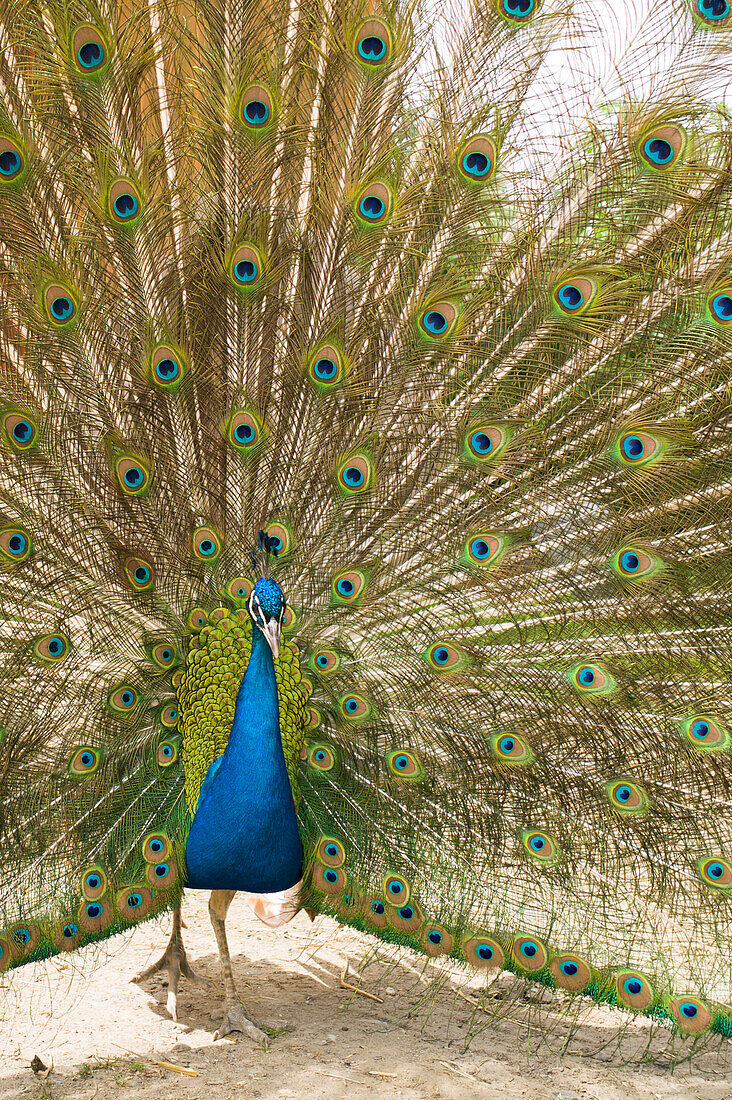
(244,833)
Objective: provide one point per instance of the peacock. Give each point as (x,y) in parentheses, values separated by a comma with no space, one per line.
(365,467)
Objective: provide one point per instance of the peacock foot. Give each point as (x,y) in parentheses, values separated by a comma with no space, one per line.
(175,961)
(236,1019)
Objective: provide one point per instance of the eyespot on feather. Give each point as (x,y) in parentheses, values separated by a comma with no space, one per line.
(485,442)
(139,573)
(60,304)
(372,43)
(396,890)
(256,108)
(529,953)
(244,431)
(633,990)
(15,545)
(355,474)
(476,160)
(570,972)
(93,883)
(715,872)
(517,11)
(169,716)
(123,202)
(374,912)
(662,147)
(405,918)
(167,367)
(719,306)
(85,760)
(239,590)
(246,267)
(539,845)
(713,13)
(21,430)
(349,586)
(123,700)
(205,544)
(156,848)
(134,902)
(325,661)
(326,367)
(374,204)
(626,796)
(483,952)
(162,874)
(164,654)
(66,936)
(354,708)
(12,161)
(705,733)
(436,940)
(575,295)
(511,748)
(25,937)
(88,49)
(321,757)
(639,448)
(591,679)
(280,538)
(7,955)
(405,766)
(330,852)
(438,320)
(329,880)
(167,752)
(484,548)
(690,1014)
(197,619)
(446,656)
(132,474)
(633,563)
(51,648)
(95,916)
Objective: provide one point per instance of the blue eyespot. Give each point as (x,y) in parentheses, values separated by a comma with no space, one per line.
(377,907)
(345,587)
(629,562)
(156,845)
(441,655)
(722,307)
(570,296)
(17,544)
(350,705)
(659,151)
(481,443)
(321,660)
(167,370)
(435,322)
(62,308)
(87,759)
(69,931)
(568,968)
(406,912)
(518,9)
(133,900)
(633,986)
(715,870)
(506,744)
(689,1010)
(700,729)
(207,547)
(126,206)
(325,369)
(22,936)
(256,112)
(633,446)
(372,48)
(353,476)
(476,164)
(586,676)
(127,698)
(22,431)
(484,951)
(93,910)
(330,875)
(401,762)
(161,870)
(93,881)
(332,850)
(528,949)
(622,793)
(435,937)
(244,433)
(134,477)
(90,56)
(11,163)
(167,751)
(479,548)
(245,271)
(396,886)
(319,755)
(142,574)
(372,207)
(713,10)
(537,843)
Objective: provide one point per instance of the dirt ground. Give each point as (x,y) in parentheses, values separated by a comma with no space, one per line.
(415,1037)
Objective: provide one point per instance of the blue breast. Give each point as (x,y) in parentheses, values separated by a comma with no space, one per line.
(244,834)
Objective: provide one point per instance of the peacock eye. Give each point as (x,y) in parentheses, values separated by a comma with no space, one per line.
(355,474)
(88,50)
(374,204)
(575,295)
(12,161)
(205,544)
(662,147)
(245,267)
(633,990)
(330,852)
(633,563)
(133,475)
(518,11)
(123,699)
(715,871)
(540,845)
(570,972)
(84,761)
(60,302)
(483,951)
(355,708)
(529,953)
(405,765)
(715,13)
(485,442)
(439,320)
(626,796)
(52,648)
(591,679)
(446,657)
(256,107)
(476,159)
(372,44)
(511,748)
(706,733)
(349,586)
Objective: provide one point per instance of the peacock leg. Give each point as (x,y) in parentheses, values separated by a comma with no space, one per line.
(235,1017)
(175,961)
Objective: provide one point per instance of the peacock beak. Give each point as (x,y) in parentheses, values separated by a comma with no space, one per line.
(271,631)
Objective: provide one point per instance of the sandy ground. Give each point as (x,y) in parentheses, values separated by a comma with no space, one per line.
(413,1038)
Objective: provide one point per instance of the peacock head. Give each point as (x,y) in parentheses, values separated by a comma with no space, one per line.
(267,608)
